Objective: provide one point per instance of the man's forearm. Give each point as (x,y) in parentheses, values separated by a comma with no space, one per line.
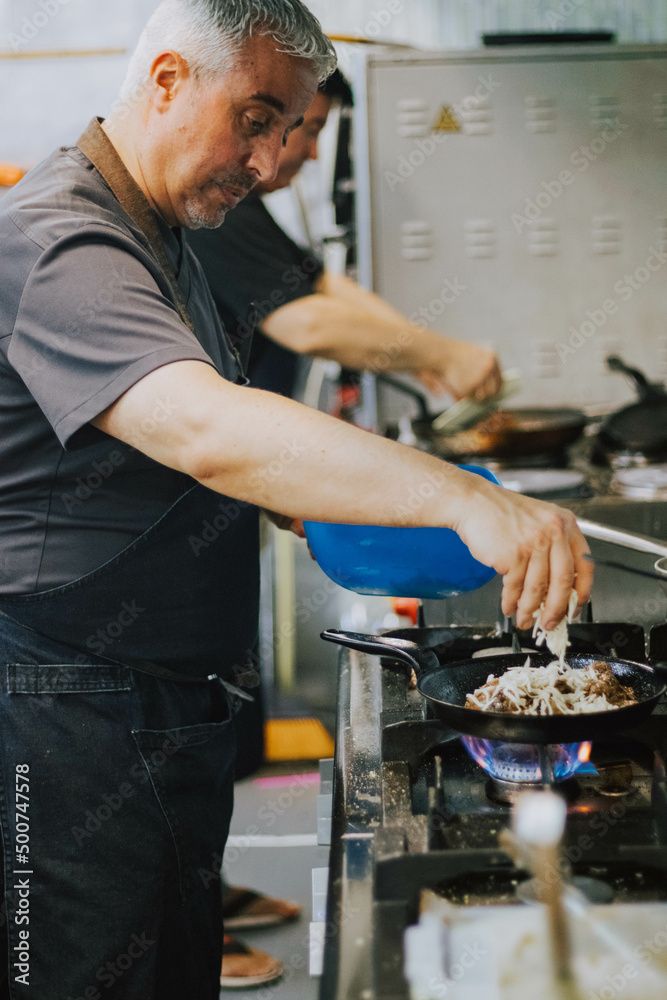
(326,327)
(358,329)
(341,287)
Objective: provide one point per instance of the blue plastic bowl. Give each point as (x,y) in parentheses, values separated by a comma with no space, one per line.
(398,562)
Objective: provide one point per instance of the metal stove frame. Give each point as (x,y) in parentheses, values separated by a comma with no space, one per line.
(382,736)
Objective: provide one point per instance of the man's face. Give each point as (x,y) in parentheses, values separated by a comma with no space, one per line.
(301,145)
(219,140)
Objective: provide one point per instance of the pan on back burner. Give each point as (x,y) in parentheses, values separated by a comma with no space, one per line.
(637,434)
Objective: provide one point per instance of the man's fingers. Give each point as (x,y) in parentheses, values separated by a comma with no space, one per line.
(555,566)
(513,587)
(561,581)
(490,384)
(297,528)
(535,584)
(585,571)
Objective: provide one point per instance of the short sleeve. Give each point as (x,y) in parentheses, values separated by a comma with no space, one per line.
(92,322)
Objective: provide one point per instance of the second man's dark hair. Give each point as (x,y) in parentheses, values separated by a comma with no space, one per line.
(338,89)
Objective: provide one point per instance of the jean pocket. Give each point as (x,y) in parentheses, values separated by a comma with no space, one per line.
(191,770)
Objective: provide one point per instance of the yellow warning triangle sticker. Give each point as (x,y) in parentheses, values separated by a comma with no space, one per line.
(447,121)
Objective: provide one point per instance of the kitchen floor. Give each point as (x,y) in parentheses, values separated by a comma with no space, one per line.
(273,849)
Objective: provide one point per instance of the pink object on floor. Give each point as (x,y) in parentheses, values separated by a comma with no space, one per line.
(284,781)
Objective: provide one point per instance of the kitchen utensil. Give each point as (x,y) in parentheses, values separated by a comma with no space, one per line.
(657,574)
(626,539)
(642,426)
(398,562)
(467,412)
(511,433)
(446,688)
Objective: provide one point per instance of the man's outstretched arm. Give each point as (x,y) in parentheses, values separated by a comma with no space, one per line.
(268,450)
(346,323)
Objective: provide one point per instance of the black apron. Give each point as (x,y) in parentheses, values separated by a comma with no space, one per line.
(180,602)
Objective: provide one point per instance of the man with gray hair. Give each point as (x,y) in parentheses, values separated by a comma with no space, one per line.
(133,458)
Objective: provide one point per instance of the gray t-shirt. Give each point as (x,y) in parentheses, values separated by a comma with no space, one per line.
(85,313)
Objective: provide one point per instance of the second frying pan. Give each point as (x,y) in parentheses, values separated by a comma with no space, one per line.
(447,687)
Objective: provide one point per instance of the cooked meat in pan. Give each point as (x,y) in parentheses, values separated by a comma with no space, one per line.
(552,690)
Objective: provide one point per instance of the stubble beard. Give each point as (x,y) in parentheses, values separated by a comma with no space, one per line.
(199,218)
(200,215)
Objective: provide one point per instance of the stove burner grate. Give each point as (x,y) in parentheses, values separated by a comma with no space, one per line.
(506,793)
(525,763)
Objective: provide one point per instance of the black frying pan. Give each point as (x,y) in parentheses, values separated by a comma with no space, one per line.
(506,434)
(642,426)
(447,687)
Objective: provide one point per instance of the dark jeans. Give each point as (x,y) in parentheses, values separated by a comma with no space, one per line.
(117,789)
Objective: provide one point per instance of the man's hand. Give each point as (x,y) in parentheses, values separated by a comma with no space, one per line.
(463,370)
(536,546)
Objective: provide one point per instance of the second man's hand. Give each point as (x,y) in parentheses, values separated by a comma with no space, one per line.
(463,370)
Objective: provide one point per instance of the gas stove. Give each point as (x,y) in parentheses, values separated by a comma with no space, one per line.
(416,817)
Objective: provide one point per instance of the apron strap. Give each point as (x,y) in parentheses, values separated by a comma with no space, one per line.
(96,145)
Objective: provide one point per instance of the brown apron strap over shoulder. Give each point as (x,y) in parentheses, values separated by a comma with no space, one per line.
(96,145)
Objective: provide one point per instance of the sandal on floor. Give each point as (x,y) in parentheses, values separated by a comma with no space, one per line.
(244,909)
(243,967)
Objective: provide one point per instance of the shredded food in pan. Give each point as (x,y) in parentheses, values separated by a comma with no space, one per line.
(556,689)
(552,690)
(555,638)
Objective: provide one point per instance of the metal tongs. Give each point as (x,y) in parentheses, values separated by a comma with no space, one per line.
(468,412)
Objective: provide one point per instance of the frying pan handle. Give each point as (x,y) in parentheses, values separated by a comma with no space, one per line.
(424,411)
(645,388)
(417,657)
